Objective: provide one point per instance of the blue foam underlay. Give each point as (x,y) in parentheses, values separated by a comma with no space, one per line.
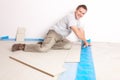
(4,37)
(26,39)
(84,70)
(70,72)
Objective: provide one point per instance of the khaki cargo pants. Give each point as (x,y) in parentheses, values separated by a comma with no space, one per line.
(52,41)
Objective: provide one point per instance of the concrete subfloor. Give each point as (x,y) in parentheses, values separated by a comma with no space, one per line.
(106,57)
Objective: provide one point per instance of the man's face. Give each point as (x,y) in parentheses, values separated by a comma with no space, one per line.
(80,13)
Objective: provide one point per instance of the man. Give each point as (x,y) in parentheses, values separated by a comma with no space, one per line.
(56,36)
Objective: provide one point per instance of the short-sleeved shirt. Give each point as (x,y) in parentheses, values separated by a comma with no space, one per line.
(62,27)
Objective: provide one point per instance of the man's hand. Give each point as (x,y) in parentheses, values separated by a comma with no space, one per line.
(86,44)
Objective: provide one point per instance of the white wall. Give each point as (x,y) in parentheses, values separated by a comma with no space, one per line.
(101,20)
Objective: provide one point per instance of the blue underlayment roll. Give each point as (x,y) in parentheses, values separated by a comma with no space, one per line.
(4,37)
(84,70)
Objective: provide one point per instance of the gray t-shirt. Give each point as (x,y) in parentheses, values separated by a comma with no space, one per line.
(62,27)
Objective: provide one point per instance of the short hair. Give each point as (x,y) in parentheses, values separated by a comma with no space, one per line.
(83,6)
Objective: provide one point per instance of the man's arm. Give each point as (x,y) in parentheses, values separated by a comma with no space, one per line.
(80,34)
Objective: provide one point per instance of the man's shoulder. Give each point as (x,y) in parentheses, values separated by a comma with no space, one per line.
(71,16)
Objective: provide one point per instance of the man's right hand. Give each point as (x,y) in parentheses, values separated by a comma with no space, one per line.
(86,44)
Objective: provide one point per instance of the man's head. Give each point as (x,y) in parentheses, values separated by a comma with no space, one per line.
(80,11)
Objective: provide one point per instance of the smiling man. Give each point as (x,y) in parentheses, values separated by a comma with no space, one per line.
(56,36)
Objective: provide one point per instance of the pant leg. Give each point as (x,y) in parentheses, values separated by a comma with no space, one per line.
(62,44)
(47,44)
(32,48)
(50,40)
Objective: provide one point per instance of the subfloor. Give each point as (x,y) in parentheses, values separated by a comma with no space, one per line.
(106,59)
